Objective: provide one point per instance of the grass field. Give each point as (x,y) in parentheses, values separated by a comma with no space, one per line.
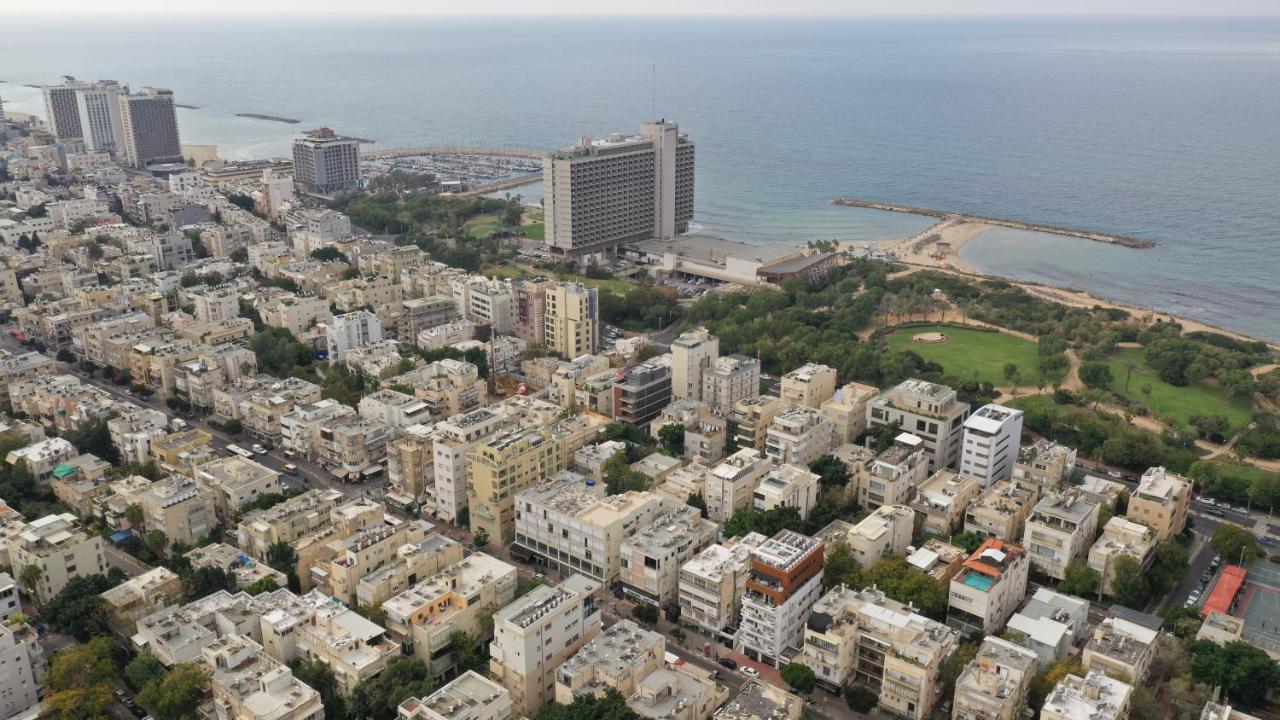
(972,354)
(482,226)
(1181,402)
(536,231)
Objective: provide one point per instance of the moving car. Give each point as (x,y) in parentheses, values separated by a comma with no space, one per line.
(291,469)
(259,450)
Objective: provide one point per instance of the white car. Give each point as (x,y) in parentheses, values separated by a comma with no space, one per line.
(750,671)
(259,450)
(1208,501)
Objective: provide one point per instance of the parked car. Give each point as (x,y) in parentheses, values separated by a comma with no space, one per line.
(1208,501)
(259,450)
(1217,560)
(728,663)
(137,712)
(1115,474)
(750,671)
(1215,512)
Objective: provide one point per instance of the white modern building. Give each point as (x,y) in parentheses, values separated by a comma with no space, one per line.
(992,439)
(351,330)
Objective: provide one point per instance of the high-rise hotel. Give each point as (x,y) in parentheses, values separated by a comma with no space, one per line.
(599,194)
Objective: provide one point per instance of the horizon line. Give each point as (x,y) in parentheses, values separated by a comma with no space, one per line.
(36,12)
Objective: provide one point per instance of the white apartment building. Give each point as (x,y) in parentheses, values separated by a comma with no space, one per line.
(486,302)
(1050,623)
(1092,697)
(988,589)
(325,163)
(248,684)
(711,584)
(992,440)
(453,440)
(927,410)
(787,486)
(132,431)
(692,353)
(300,427)
(349,331)
(785,581)
(799,435)
(891,478)
(23,663)
(1121,649)
(470,696)
(650,559)
(729,380)
(1061,528)
(61,549)
(886,531)
(394,408)
(537,633)
(809,385)
(732,482)
(599,194)
(296,313)
(994,685)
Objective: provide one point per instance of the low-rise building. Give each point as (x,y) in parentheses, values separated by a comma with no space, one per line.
(810,385)
(943,499)
(994,685)
(711,584)
(651,557)
(286,521)
(784,582)
(236,482)
(1161,502)
(787,486)
(1120,537)
(1092,697)
(1049,624)
(132,432)
(352,558)
(182,508)
(246,569)
(938,559)
(536,634)
(798,435)
(172,451)
(470,696)
(641,391)
(891,478)
(24,668)
(731,484)
(1061,529)
(263,408)
(847,411)
(354,448)
(988,589)
(1043,467)
(1000,512)
(759,700)
(752,416)
(61,549)
(1220,628)
(886,531)
(248,684)
(1121,649)
(300,427)
(412,561)
(140,596)
(43,457)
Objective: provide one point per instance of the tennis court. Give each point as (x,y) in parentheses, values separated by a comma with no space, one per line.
(1260,605)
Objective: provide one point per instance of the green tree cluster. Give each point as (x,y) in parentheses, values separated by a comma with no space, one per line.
(799,676)
(671,438)
(80,682)
(78,609)
(177,695)
(279,352)
(609,706)
(1245,673)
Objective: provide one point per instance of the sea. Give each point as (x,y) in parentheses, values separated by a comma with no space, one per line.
(1166,129)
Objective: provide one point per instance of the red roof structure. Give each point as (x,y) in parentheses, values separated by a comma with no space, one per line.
(1224,593)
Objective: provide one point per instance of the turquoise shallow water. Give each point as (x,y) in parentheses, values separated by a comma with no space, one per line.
(1162,129)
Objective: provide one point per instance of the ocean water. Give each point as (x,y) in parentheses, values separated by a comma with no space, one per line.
(1167,129)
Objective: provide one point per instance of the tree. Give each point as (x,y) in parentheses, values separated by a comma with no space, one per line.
(1079,579)
(1234,544)
(1096,374)
(954,665)
(262,585)
(144,670)
(609,706)
(831,471)
(233,427)
(280,554)
(620,478)
(861,698)
(328,254)
(645,613)
(696,500)
(1043,683)
(1011,375)
(1246,673)
(94,437)
(1128,584)
(29,578)
(907,584)
(378,697)
(672,612)
(671,437)
(206,581)
(799,676)
(970,541)
(80,681)
(156,542)
(178,695)
(840,567)
(467,653)
(481,538)
(78,609)
(319,676)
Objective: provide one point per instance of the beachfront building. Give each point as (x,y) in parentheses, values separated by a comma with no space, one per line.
(1000,512)
(927,410)
(1161,502)
(732,482)
(325,163)
(599,194)
(711,584)
(1122,649)
(784,582)
(990,445)
(537,633)
(1061,528)
(862,636)
(994,685)
(1092,697)
(988,589)
(943,499)
(891,478)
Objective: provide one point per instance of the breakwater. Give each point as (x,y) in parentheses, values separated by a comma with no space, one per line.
(1112,238)
(273,118)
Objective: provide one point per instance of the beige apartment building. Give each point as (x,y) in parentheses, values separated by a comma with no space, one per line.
(1092,697)
(286,521)
(711,584)
(171,451)
(180,507)
(810,385)
(248,684)
(650,559)
(988,589)
(787,486)
(928,411)
(61,549)
(1120,537)
(411,466)
(994,685)
(352,558)
(412,562)
(728,381)
(262,409)
(571,320)
(1043,467)
(501,466)
(453,600)
(536,634)
(1121,649)
(470,696)
(798,435)
(691,354)
(345,520)
(236,482)
(862,636)
(847,411)
(752,417)
(943,499)
(938,559)
(891,478)
(731,484)
(1161,502)
(299,314)
(1001,512)
(300,427)
(140,596)
(1061,528)
(886,531)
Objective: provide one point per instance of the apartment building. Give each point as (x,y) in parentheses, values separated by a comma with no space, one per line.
(1050,623)
(325,163)
(1161,502)
(410,466)
(862,636)
(235,482)
(886,531)
(248,684)
(262,409)
(711,585)
(300,427)
(809,385)
(571,320)
(19,366)
(61,549)
(732,483)
(354,648)
(1001,512)
(752,416)
(246,569)
(23,663)
(486,302)
(650,559)
(938,559)
(1121,649)
(994,685)
(394,408)
(1043,467)
(927,410)
(758,700)
(891,478)
(43,457)
(1061,528)
(785,581)
(787,486)
(180,507)
(988,589)
(728,380)
(847,411)
(568,523)
(447,386)
(1092,697)
(685,481)
(498,468)
(354,448)
(602,193)
(286,521)
(641,391)
(352,558)
(943,499)
(536,634)
(692,353)
(419,314)
(798,435)
(451,447)
(351,330)
(991,442)
(215,304)
(453,600)
(470,696)
(296,313)
(138,597)
(1120,537)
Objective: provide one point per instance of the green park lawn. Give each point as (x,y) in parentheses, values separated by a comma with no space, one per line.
(482,226)
(1199,398)
(972,354)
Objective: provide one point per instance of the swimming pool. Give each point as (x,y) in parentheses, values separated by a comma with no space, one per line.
(978,582)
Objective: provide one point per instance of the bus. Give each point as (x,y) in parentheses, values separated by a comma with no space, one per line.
(240,451)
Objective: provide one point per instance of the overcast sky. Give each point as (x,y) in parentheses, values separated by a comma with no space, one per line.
(724,8)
